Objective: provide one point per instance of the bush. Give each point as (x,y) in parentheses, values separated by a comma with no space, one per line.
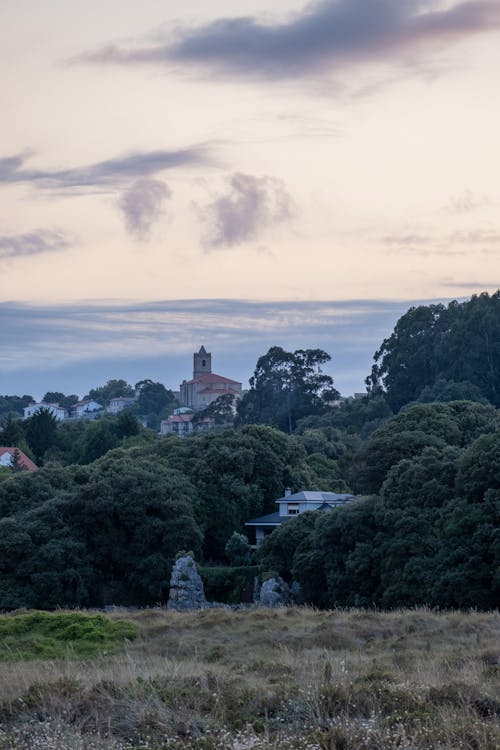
(229,585)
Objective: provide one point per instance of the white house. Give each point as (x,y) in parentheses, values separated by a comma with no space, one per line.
(59,412)
(7,457)
(177,424)
(291,505)
(182,422)
(84,408)
(118,404)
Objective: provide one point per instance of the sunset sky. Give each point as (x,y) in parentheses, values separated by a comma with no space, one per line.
(224,173)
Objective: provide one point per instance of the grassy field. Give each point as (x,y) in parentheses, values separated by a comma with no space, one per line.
(257,679)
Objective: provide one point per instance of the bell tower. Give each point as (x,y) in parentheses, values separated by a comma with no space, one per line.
(202,362)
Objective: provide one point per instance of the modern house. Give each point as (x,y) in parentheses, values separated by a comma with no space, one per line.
(59,412)
(8,458)
(291,505)
(206,386)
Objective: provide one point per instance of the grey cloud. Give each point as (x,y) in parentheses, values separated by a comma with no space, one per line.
(73,347)
(467,202)
(476,237)
(251,205)
(33,243)
(455,243)
(142,204)
(109,173)
(326,35)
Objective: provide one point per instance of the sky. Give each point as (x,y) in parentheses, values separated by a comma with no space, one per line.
(238,176)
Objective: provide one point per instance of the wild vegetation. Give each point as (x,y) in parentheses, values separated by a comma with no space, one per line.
(294,679)
(101,522)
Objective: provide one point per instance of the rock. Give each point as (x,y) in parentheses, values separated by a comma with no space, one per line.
(296,593)
(186,586)
(274,593)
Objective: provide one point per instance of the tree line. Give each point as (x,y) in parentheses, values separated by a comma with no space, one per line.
(101,522)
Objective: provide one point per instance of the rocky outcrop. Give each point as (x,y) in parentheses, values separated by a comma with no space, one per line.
(274,593)
(186,586)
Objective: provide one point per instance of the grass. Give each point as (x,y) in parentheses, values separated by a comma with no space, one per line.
(76,635)
(258,679)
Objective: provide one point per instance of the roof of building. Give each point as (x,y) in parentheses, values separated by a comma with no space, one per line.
(229,390)
(312,496)
(25,462)
(179,418)
(272,519)
(210,377)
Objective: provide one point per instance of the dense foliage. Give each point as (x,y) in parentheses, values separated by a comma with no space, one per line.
(432,535)
(458,343)
(286,386)
(114,502)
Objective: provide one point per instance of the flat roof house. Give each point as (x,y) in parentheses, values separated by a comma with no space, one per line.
(291,505)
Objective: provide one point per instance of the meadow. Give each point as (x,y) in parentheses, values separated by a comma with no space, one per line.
(251,679)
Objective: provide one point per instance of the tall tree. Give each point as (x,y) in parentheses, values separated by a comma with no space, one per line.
(286,386)
(112,389)
(56,397)
(457,343)
(41,431)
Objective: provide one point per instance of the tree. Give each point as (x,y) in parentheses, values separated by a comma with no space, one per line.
(14,404)
(222,411)
(286,386)
(112,389)
(460,342)
(418,427)
(12,432)
(41,432)
(153,397)
(56,397)
(238,550)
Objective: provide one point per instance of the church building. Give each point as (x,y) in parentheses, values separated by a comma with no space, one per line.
(205,386)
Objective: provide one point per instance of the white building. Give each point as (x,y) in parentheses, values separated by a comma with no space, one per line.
(291,505)
(118,404)
(59,412)
(84,408)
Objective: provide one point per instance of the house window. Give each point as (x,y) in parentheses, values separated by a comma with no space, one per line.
(293,509)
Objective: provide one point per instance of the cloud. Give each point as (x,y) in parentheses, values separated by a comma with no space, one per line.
(110,173)
(74,347)
(437,243)
(251,205)
(467,202)
(33,243)
(142,204)
(327,36)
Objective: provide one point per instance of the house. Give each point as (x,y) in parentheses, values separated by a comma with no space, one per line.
(205,385)
(291,505)
(59,412)
(118,404)
(182,423)
(84,408)
(177,424)
(8,457)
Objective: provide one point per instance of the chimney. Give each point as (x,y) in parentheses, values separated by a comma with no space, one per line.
(288,492)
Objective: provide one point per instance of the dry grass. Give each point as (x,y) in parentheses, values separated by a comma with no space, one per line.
(261,679)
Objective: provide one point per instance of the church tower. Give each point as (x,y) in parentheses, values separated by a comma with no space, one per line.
(202,363)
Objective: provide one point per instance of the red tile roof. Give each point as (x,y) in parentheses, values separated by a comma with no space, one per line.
(25,462)
(211,377)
